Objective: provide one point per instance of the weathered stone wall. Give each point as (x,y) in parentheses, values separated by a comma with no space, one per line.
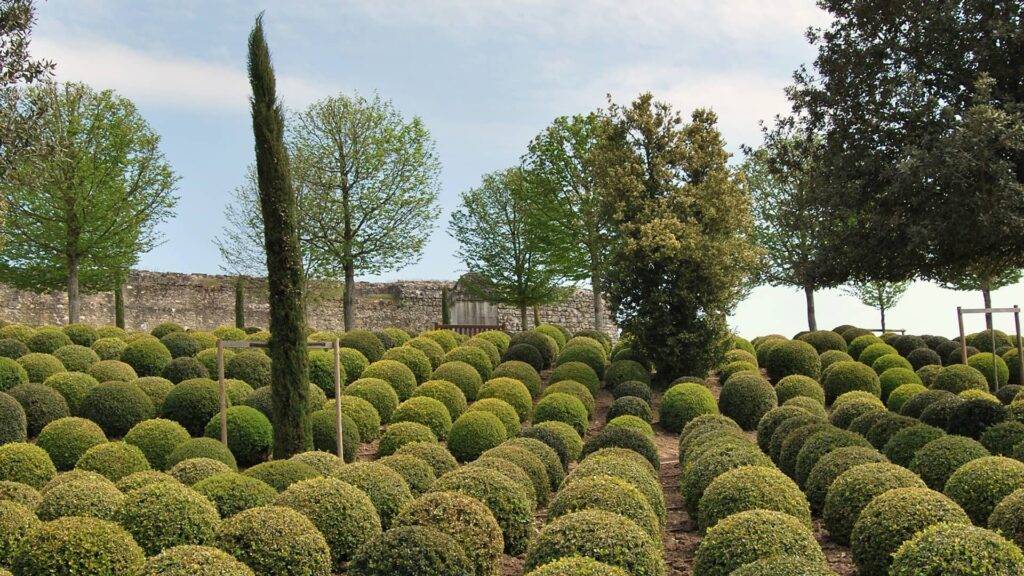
(206,301)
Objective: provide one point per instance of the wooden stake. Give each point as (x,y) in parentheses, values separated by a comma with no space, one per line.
(337,397)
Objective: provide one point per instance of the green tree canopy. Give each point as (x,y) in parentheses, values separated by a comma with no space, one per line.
(502,246)
(82,211)
(878,294)
(681,234)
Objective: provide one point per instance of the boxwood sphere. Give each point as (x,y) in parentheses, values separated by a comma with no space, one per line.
(137,480)
(604,536)
(107,370)
(322,462)
(81,497)
(593,356)
(184,368)
(752,535)
(855,488)
(571,439)
(979,485)
(820,443)
(577,566)
(895,377)
(116,407)
(324,425)
(716,460)
(164,515)
(955,549)
(48,339)
(610,494)
(617,437)
(378,393)
(921,357)
(73,386)
(42,405)
(13,422)
(890,361)
(343,513)
(746,398)
(682,403)
(474,357)
(433,351)
(188,560)
(410,550)
(16,522)
(936,461)
(831,466)
(109,348)
(401,433)
(475,432)
(574,389)
(76,358)
(157,439)
(439,458)
(1001,438)
(508,502)
(576,371)
(20,493)
(901,394)
(446,392)
(783,564)
(181,344)
(1008,517)
(365,342)
(893,518)
(982,362)
(66,439)
(844,377)
(76,545)
(520,371)
(415,359)
(798,385)
(873,352)
(772,419)
(636,472)
(416,472)
(824,340)
(147,356)
(793,357)
(386,488)
(232,492)
(12,373)
(562,407)
(25,463)
(192,403)
(512,391)
(916,405)
(114,460)
(12,349)
(751,488)
(250,434)
(275,540)
(959,377)
(250,366)
(462,375)
(362,413)
(427,411)
(280,474)
(525,353)
(624,370)
(464,519)
(904,444)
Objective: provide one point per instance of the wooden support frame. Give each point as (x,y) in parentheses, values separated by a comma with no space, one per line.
(469,329)
(1015,310)
(900,331)
(243,344)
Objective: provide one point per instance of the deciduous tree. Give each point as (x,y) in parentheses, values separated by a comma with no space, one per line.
(878,294)
(680,226)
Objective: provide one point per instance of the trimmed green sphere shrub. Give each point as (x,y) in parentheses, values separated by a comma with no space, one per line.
(855,488)
(48,339)
(86,497)
(782,564)
(473,356)
(503,410)
(415,359)
(201,448)
(475,432)
(890,361)
(78,546)
(875,351)
(396,374)
(280,474)
(164,328)
(904,444)
(520,371)
(232,492)
(625,370)
(793,357)
(895,377)
(510,471)
(250,434)
(634,388)
(16,522)
(616,437)
(465,520)
(716,460)
(916,406)
(820,443)
(831,466)
(921,357)
(275,541)
(250,366)
(39,366)
(1001,438)
(439,458)
(148,356)
(773,419)
(901,394)
(546,345)
(882,430)
(114,460)
(567,435)
(844,377)
(577,566)
(324,424)
(746,398)
(936,461)
(531,465)
(632,407)
(682,403)
(12,373)
(636,472)
(957,550)
(894,517)
(416,472)
(462,375)
(25,463)
(67,439)
(433,351)
(633,423)
(192,403)
(824,340)
(157,438)
(562,408)
(574,389)
(512,391)
(526,353)
(979,485)
(749,536)
(322,462)
(41,404)
(20,493)
(938,413)
(365,342)
(12,349)
(107,370)
(362,413)
(192,560)
(13,422)
(109,348)
(427,411)
(1008,517)
(116,407)
(576,371)
(446,392)
(798,385)
(81,334)
(378,393)
(995,376)
(959,377)
(593,356)
(604,536)
(73,386)
(184,368)
(181,344)
(751,488)
(386,488)
(401,433)
(343,513)
(137,480)
(76,358)
(507,501)
(609,494)
(408,551)
(164,515)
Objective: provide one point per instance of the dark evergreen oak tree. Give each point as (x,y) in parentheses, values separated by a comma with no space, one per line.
(289,383)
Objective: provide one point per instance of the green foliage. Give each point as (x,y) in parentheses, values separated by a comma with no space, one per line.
(414,358)
(86,497)
(921,357)
(1008,517)
(783,564)
(957,549)
(936,461)
(275,540)
(625,370)
(25,463)
(57,547)
(982,483)
(66,439)
(385,487)
(574,389)
(187,560)
(417,473)
(506,500)
(73,386)
(959,377)
(114,460)
(852,490)
(137,480)
(751,488)
(353,362)
(365,342)
(201,448)
(250,434)
(185,368)
(475,432)
(324,424)
(47,340)
(37,366)
(503,410)
(633,407)
(633,388)
(904,444)
(752,535)
(843,377)
(716,459)
(512,391)
(164,515)
(1001,438)
(585,351)
(562,407)
(411,550)
(568,443)
(888,362)
(525,353)
(520,371)
(796,385)
(251,366)
(447,393)
(232,492)
(746,398)
(180,343)
(576,371)
(427,411)
(439,458)
(772,420)
(793,357)
(107,370)
(13,422)
(893,518)
(192,404)
(12,349)
(362,413)
(983,361)
(398,375)
(462,518)
(147,356)
(16,522)
(76,358)
(378,393)
(601,535)
(42,405)
(817,445)
(401,433)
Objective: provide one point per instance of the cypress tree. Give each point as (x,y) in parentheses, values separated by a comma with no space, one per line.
(239,302)
(289,383)
(446,314)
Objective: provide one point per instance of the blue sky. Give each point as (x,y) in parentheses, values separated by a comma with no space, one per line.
(484,75)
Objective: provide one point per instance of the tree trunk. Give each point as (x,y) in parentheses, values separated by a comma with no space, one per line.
(812,322)
(239,302)
(348,299)
(599,313)
(289,379)
(446,313)
(987,295)
(74,298)
(522,317)
(119,303)
(882,310)
(536,315)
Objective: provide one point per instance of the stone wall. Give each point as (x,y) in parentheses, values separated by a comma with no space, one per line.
(204,302)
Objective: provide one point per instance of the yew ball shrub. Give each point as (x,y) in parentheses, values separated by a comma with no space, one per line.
(164,515)
(604,536)
(520,371)
(473,433)
(619,437)
(894,517)
(793,357)
(882,430)
(749,536)
(562,407)
(353,362)
(189,560)
(402,433)
(275,540)
(378,393)
(251,367)
(67,439)
(462,375)
(343,513)
(955,549)
(609,494)
(860,343)
(746,398)
(411,550)
(682,403)
(958,377)
(493,353)
(844,377)
(465,520)
(855,488)
(904,444)
(574,389)
(250,434)
(936,461)
(893,378)
(81,334)
(192,403)
(751,488)
(232,492)
(578,372)
(42,405)
(979,485)
(76,545)
(114,460)
(447,393)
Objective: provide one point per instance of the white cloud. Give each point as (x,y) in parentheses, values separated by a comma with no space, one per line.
(163,80)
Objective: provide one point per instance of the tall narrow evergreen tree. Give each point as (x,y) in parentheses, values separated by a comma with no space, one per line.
(289,383)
